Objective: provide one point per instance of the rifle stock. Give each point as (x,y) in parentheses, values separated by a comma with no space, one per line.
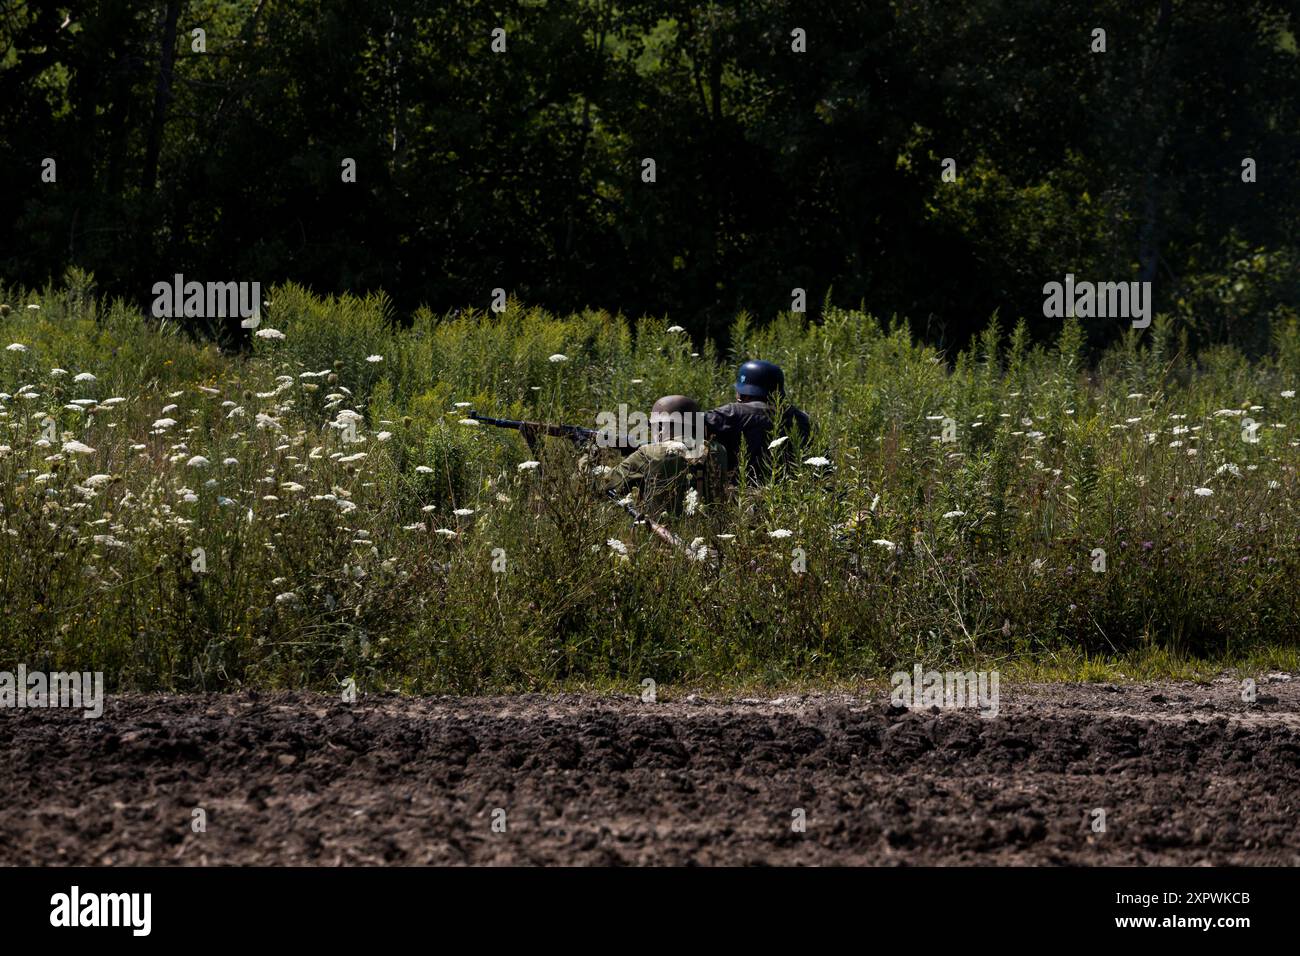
(695,554)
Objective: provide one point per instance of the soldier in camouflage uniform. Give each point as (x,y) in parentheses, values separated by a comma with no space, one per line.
(679,469)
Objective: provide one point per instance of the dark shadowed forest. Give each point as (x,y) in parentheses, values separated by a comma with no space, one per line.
(794,146)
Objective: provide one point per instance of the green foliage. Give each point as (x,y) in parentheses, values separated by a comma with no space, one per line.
(419,555)
(776,170)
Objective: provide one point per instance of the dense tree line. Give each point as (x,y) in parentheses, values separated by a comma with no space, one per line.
(220,154)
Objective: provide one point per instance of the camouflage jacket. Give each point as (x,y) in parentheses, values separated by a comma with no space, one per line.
(666,472)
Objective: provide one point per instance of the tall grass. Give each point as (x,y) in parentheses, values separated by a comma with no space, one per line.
(319,511)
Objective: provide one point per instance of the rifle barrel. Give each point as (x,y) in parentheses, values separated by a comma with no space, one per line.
(575,433)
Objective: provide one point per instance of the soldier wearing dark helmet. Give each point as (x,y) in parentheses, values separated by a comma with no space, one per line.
(751,423)
(679,469)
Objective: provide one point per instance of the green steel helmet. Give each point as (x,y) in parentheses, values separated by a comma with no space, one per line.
(759,379)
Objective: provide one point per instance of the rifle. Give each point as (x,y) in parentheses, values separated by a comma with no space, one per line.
(695,554)
(531,430)
(583,436)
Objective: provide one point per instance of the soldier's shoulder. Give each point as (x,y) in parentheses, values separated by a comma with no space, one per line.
(734,411)
(698,449)
(799,414)
(659,450)
(635,462)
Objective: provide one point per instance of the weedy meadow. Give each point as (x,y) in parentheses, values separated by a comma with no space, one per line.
(320,509)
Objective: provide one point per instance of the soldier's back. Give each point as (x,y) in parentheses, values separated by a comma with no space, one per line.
(748,427)
(666,472)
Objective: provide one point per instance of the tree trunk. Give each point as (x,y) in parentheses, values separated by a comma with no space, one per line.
(162,96)
(1149,233)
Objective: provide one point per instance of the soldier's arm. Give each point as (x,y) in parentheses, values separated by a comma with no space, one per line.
(715,423)
(629,472)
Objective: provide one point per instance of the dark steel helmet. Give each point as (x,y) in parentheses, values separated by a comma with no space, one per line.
(673,417)
(668,404)
(759,379)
